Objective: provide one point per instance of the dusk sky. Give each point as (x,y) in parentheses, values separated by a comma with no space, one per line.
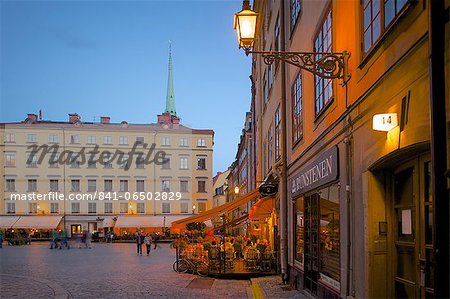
(109,58)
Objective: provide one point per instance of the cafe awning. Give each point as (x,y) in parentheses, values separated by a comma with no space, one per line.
(262,209)
(8,221)
(37,222)
(206,215)
(147,221)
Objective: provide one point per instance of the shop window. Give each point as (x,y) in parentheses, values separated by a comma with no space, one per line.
(329,232)
(299,230)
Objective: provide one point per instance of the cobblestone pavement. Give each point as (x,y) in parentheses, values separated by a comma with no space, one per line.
(105,271)
(272,287)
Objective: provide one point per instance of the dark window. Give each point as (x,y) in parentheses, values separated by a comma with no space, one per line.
(374,23)
(201,163)
(297,109)
(277,133)
(201,186)
(295,12)
(322,44)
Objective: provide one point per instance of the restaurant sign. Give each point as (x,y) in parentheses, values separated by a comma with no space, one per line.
(323,170)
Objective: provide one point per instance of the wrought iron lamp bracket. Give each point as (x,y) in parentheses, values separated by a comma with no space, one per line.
(325,65)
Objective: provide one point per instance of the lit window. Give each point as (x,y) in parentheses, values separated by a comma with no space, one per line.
(201,207)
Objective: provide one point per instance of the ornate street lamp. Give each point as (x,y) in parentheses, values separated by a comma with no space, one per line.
(236,190)
(325,65)
(193,209)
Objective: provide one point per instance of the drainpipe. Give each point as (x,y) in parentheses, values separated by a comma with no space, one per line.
(436,35)
(349,207)
(283,145)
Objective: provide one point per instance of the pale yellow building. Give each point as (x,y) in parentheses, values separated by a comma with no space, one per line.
(104,194)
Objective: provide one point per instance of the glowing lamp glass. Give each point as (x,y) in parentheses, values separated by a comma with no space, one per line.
(384,122)
(245,26)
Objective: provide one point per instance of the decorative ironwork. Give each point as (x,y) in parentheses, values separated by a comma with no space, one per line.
(325,65)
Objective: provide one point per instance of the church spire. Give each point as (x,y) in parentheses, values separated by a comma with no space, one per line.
(170,98)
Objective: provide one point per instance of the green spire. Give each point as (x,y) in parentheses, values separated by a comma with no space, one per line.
(170,98)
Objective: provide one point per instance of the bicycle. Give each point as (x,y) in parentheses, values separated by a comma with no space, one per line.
(196,266)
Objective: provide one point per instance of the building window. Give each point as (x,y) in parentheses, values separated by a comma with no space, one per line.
(295,12)
(166,164)
(123,207)
(108,207)
(32,138)
(270,76)
(91,140)
(140,207)
(140,162)
(10,185)
(374,24)
(92,161)
(277,36)
(201,186)
(54,185)
(184,207)
(165,141)
(10,207)
(166,207)
(10,137)
(32,208)
(32,161)
(92,207)
(265,93)
(54,207)
(75,162)
(92,185)
(123,185)
(139,140)
(53,138)
(75,208)
(75,139)
(277,133)
(201,142)
(32,185)
(201,207)
(123,140)
(107,159)
(184,163)
(219,191)
(107,139)
(140,186)
(201,163)
(323,87)
(297,109)
(53,161)
(184,141)
(108,185)
(10,160)
(75,186)
(165,186)
(299,230)
(122,161)
(183,186)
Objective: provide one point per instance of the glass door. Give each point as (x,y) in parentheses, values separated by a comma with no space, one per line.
(413,243)
(311,242)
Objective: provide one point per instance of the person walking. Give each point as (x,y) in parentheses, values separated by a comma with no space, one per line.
(88,239)
(64,240)
(139,240)
(155,238)
(1,239)
(148,243)
(53,242)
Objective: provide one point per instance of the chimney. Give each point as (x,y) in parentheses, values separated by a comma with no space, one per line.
(31,118)
(105,119)
(74,118)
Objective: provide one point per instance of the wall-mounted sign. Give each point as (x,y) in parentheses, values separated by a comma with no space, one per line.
(268,189)
(323,170)
(384,122)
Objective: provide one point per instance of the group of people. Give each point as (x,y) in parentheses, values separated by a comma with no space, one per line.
(147,239)
(59,239)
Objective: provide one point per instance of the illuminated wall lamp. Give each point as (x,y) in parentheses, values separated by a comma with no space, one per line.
(384,122)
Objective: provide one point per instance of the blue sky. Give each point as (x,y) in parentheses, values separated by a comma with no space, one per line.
(109,58)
